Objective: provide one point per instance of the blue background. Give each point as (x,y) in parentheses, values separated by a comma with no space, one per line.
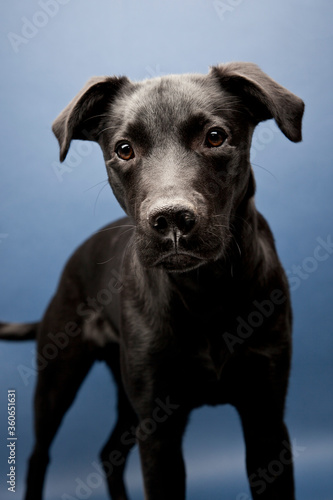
(45,215)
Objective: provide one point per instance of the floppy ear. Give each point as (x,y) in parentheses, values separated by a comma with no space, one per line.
(263,97)
(83,117)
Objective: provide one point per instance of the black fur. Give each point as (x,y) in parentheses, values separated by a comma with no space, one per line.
(185,299)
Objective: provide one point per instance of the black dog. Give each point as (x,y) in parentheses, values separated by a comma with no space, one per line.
(185,299)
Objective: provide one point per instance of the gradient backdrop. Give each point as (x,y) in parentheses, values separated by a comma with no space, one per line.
(48,50)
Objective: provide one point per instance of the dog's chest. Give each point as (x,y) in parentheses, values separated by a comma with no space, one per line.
(205,359)
(209,358)
(204,381)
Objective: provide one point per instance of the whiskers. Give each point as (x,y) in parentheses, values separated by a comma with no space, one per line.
(238,247)
(105,183)
(105,129)
(229,234)
(131,227)
(232,225)
(98,184)
(266,170)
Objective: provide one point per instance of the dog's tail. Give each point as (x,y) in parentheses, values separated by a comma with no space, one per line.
(18,331)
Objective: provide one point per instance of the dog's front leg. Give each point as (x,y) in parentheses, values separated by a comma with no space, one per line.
(269,462)
(162,461)
(151,385)
(269,457)
(162,420)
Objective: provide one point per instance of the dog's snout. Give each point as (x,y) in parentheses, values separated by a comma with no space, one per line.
(167,219)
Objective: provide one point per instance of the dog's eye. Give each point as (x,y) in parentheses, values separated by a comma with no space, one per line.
(125,151)
(215,138)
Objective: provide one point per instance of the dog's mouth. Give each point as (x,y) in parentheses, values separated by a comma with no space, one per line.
(181,253)
(179,261)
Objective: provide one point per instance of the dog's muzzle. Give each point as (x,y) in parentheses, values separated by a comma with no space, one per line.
(169,227)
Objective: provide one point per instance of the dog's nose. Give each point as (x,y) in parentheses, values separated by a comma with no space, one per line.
(167,220)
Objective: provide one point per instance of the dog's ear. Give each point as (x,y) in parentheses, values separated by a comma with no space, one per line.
(263,97)
(83,117)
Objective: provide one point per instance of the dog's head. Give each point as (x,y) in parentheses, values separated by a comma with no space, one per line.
(177,152)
